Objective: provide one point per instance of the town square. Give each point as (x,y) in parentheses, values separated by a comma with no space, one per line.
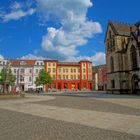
(69,70)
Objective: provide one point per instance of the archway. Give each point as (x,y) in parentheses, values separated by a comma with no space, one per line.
(135,83)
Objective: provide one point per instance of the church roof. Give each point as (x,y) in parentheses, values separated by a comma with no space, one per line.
(122,28)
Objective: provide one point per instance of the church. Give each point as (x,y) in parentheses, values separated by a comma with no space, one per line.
(122,43)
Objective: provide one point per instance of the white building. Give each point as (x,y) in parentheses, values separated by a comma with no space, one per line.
(26,72)
(3,63)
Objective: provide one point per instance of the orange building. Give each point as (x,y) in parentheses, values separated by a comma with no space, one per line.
(70,75)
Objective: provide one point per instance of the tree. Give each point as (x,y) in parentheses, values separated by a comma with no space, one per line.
(43,78)
(6,78)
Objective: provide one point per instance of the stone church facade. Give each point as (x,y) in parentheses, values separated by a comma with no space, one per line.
(123,57)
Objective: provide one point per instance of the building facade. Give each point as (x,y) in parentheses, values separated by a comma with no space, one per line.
(26,72)
(65,75)
(123,57)
(70,75)
(99,77)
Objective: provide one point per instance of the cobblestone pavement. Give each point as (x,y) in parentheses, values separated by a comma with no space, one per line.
(19,126)
(90,104)
(69,118)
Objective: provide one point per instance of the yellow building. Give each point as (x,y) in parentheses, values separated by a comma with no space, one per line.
(70,75)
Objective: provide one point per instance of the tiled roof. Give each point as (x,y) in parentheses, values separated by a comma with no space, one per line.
(51,60)
(22,62)
(68,63)
(122,28)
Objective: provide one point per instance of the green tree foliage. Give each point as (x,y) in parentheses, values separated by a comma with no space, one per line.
(43,78)
(6,78)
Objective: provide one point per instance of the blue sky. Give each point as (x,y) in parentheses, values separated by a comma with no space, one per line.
(68,30)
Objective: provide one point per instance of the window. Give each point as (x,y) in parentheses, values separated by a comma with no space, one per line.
(37,63)
(113,40)
(108,45)
(66,76)
(74,70)
(30,79)
(89,70)
(71,70)
(63,76)
(53,76)
(15,70)
(64,70)
(78,76)
(84,76)
(59,70)
(49,69)
(22,70)
(112,84)
(21,78)
(84,64)
(59,76)
(30,70)
(89,65)
(53,69)
(49,64)
(53,64)
(74,76)
(84,70)
(37,71)
(133,57)
(78,70)
(112,64)
(71,77)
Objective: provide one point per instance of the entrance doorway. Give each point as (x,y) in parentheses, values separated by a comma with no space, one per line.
(59,85)
(135,84)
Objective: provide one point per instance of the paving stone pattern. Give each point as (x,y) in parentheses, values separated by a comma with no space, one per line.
(20,126)
(90,104)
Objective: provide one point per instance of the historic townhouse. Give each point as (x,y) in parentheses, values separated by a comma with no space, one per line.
(70,75)
(123,57)
(99,77)
(66,75)
(3,63)
(26,72)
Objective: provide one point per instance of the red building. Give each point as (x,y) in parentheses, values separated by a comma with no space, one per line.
(99,77)
(70,75)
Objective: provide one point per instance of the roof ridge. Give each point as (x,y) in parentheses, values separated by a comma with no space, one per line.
(120,22)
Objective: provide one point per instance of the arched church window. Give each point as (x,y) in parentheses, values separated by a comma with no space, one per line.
(108,43)
(133,57)
(110,39)
(112,64)
(113,40)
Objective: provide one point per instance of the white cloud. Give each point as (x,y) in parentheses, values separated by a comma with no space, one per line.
(32,57)
(1,57)
(75,29)
(15,15)
(97,59)
(15,5)
(17,11)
